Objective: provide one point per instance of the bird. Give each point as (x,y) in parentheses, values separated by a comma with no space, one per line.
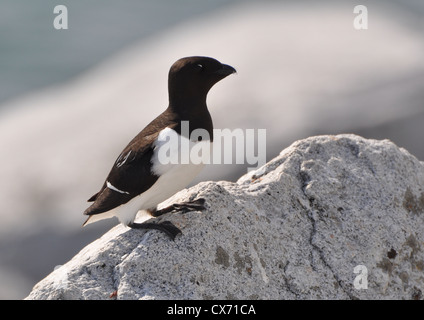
(139,180)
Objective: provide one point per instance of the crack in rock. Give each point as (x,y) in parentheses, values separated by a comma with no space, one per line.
(314,207)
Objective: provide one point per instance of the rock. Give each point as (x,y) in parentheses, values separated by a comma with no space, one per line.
(297,228)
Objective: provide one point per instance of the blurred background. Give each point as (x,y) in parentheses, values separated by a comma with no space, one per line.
(71,99)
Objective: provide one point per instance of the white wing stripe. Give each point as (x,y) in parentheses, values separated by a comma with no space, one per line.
(119,163)
(111,187)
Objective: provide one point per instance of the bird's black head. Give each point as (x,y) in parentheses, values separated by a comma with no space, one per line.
(191,78)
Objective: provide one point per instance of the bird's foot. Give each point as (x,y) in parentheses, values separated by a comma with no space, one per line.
(183,207)
(166,226)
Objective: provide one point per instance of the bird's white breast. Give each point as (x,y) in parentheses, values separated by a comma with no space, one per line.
(173,175)
(174,151)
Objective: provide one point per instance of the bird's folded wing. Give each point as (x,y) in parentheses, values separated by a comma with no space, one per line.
(130,176)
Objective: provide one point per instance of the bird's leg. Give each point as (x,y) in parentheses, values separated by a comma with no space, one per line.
(183,207)
(165,226)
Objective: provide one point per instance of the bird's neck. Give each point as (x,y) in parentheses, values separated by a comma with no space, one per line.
(187,99)
(188,106)
(196,113)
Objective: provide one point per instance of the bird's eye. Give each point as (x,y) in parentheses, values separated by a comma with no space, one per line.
(199,67)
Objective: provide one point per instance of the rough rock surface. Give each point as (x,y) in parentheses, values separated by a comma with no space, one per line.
(294,229)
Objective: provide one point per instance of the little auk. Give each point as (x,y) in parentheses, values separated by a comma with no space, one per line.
(138,179)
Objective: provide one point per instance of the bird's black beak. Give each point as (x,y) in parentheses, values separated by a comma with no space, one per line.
(225,70)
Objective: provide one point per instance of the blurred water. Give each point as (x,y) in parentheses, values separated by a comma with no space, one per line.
(33,54)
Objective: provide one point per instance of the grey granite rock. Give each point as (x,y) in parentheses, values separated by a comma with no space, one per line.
(294,229)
